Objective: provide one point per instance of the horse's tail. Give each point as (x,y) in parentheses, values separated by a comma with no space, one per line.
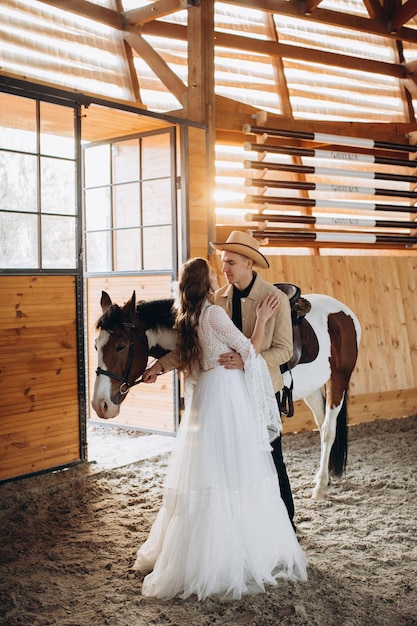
(339,451)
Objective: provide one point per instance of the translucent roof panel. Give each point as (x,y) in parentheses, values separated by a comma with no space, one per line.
(51,45)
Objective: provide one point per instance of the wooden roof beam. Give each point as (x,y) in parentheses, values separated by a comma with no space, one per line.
(156,63)
(330,18)
(276,49)
(405,13)
(151,12)
(375,10)
(311,5)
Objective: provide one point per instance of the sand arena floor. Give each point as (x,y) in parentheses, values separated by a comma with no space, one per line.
(68,539)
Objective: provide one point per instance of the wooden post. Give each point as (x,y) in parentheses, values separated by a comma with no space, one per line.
(200,148)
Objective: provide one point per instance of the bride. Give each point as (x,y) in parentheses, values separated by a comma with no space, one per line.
(223,528)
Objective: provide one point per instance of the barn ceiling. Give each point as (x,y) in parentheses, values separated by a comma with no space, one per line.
(350,65)
(340,60)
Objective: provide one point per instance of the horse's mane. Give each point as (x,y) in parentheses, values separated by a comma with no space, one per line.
(111,319)
(157,313)
(153,314)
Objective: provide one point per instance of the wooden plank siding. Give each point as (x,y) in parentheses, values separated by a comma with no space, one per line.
(382,291)
(198,192)
(149,407)
(39,412)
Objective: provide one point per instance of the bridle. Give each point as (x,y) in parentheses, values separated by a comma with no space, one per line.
(124,379)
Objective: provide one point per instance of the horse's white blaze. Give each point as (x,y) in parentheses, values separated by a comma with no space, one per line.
(165,337)
(101,400)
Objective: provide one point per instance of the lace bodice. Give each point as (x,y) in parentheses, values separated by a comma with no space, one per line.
(217,334)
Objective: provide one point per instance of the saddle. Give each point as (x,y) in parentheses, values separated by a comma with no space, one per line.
(305,342)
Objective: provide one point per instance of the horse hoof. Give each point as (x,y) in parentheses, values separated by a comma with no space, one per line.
(318,494)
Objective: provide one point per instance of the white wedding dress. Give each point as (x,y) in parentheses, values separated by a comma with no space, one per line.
(222,528)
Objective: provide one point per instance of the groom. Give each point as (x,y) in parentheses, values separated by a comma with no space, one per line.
(239,255)
(244,288)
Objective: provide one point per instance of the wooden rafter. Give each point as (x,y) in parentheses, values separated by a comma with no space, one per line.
(133,75)
(311,5)
(375,10)
(275,49)
(375,25)
(152,11)
(405,13)
(156,63)
(327,17)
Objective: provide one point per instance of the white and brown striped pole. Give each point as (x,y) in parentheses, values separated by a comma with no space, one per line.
(322,220)
(328,204)
(326,171)
(307,186)
(335,238)
(349,157)
(344,140)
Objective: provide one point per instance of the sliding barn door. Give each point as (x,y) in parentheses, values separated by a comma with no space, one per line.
(42,411)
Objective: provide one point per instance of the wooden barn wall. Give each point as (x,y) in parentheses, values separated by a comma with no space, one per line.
(197,191)
(382,291)
(149,407)
(39,411)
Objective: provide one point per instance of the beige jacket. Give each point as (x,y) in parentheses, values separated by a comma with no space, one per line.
(277,346)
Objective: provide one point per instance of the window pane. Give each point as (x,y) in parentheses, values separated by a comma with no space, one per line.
(156,161)
(97,209)
(127,249)
(98,252)
(157,248)
(57,130)
(59,242)
(19,240)
(156,199)
(126,205)
(18,189)
(125,161)
(58,186)
(97,166)
(17,123)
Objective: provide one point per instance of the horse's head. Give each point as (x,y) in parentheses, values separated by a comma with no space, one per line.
(122,351)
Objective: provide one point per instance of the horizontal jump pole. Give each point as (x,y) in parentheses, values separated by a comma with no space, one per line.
(328,221)
(329,204)
(326,171)
(329,237)
(324,138)
(307,186)
(349,157)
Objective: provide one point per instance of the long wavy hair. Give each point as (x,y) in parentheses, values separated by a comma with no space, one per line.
(194,289)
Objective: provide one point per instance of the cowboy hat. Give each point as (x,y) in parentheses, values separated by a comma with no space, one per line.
(244,244)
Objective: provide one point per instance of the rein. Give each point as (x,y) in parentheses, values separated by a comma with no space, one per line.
(124,379)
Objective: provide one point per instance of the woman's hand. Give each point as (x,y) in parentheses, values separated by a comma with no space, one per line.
(267,307)
(231,361)
(151,373)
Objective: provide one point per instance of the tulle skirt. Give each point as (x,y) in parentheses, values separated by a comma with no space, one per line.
(223,528)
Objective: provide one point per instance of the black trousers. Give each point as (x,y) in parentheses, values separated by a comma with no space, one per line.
(284,481)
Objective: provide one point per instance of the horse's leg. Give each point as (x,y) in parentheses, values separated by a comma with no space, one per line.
(327,438)
(333,432)
(322,416)
(316,403)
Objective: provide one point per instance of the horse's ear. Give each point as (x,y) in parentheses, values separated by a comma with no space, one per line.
(105,302)
(130,306)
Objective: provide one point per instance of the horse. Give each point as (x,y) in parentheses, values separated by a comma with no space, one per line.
(130,334)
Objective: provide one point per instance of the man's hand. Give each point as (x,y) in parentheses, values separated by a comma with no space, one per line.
(231,361)
(151,373)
